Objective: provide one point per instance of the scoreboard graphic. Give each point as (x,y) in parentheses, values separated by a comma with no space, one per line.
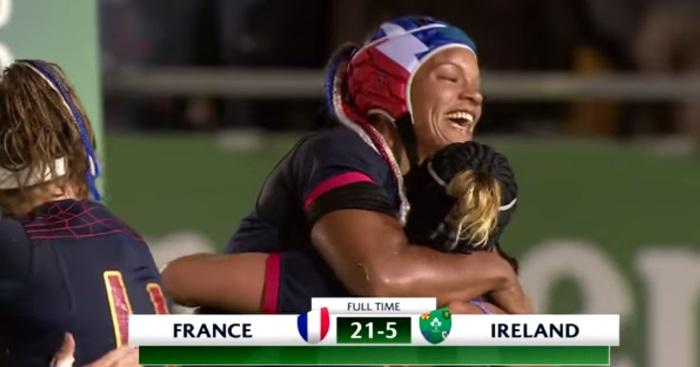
(375,331)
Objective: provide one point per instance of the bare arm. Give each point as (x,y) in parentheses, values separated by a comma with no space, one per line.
(370,254)
(231,282)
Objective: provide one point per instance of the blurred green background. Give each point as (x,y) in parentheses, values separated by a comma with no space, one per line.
(64,32)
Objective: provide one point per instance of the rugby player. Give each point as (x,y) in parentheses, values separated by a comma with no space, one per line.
(337,201)
(67,265)
(462,198)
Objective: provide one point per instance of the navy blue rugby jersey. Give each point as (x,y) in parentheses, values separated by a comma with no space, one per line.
(330,170)
(71,267)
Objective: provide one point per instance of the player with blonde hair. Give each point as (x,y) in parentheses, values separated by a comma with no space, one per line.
(67,265)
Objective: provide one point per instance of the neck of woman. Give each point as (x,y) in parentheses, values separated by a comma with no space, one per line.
(39,195)
(390,133)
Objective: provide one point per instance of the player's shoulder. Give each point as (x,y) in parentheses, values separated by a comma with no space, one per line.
(116,222)
(73,219)
(12,235)
(340,146)
(338,140)
(109,231)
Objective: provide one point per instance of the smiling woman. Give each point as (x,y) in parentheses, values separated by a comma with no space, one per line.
(417,81)
(445,93)
(331,213)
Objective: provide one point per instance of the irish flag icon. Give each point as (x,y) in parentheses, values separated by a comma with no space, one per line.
(313,325)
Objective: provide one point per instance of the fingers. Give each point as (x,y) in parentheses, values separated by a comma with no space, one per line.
(525,304)
(125,356)
(529,304)
(67,349)
(131,359)
(513,299)
(64,356)
(522,300)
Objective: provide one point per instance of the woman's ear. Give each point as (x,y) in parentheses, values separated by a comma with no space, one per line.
(385,127)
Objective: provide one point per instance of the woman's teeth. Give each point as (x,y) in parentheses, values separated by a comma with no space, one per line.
(461,117)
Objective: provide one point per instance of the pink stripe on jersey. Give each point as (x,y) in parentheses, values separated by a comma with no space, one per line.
(272,283)
(334,182)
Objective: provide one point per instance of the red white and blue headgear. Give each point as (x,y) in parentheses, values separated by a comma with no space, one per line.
(376,78)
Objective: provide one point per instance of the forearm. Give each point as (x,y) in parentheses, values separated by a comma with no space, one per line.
(230,282)
(371,256)
(421,271)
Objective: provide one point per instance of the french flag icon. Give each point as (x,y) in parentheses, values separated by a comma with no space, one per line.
(313,325)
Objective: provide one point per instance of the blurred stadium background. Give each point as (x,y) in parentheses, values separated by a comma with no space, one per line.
(596,103)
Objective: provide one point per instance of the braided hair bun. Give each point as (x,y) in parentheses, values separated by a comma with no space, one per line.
(438,216)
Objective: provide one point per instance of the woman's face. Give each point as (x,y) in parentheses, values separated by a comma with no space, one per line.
(446,100)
